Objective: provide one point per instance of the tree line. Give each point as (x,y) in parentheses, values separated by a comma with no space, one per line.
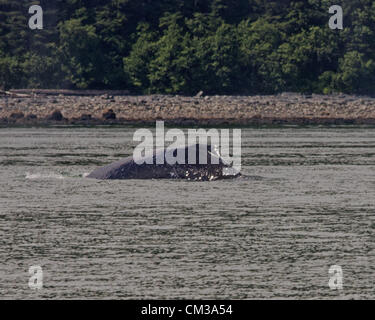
(182,47)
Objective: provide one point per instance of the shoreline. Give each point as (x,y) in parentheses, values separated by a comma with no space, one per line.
(53,107)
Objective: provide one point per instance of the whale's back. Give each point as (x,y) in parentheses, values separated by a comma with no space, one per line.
(129,168)
(112,170)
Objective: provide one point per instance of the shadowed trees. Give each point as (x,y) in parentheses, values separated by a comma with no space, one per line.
(172,46)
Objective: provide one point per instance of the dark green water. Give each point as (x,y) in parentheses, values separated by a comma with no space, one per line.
(274,237)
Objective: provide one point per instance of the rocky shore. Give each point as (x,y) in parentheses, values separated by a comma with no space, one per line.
(45,108)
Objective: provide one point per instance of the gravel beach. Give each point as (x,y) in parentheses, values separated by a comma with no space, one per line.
(43,108)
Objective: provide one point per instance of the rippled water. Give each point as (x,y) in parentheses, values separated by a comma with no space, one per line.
(273,237)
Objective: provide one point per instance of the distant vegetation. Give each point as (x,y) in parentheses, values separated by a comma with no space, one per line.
(176,46)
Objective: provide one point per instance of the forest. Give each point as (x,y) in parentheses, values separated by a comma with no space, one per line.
(183,47)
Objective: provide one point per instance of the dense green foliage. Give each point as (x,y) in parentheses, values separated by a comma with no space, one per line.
(174,46)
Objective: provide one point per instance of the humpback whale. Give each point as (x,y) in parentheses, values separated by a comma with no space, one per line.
(191,168)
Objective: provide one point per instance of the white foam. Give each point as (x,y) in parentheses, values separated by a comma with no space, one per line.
(34,176)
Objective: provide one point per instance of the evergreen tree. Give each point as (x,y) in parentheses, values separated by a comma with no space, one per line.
(173,46)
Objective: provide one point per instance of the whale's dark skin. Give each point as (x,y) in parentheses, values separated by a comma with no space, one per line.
(214,169)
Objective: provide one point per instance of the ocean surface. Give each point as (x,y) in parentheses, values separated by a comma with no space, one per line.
(308,203)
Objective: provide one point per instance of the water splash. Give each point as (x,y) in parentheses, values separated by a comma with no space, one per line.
(37,176)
